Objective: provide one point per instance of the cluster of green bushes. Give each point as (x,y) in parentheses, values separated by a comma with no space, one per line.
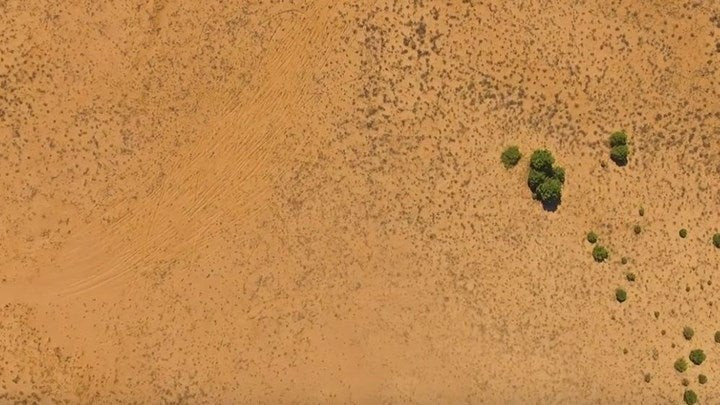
(618,148)
(544,179)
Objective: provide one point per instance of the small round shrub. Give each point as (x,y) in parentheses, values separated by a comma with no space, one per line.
(697,356)
(592,237)
(630,277)
(637,229)
(624,260)
(535,179)
(717,337)
(618,138)
(690,397)
(688,333)
(550,191)
(641,211)
(683,233)
(559,173)
(716,240)
(600,254)
(680,365)
(543,161)
(648,377)
(510,156)
(619,154)
(685,382)
(702,379)
(620,295)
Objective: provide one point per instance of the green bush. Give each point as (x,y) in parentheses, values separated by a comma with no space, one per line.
(592,237)
(600,254)
(716,240)
(637,229)
(559,173)
(690,397)
(618,138)
(510,156)
(542,160)
(680,365)
(683,233)
(619,154)
(620,295)
(535,179)
(702,379)
(697,356)
(688,333)
(550,191)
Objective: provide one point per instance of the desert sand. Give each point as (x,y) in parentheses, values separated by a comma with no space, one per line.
(303,201)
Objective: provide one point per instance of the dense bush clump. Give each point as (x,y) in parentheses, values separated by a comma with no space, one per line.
(620,295)
(697,356)
(592,237)
(510,156)
(688,333)
(600,254)
(690,397)
(618,138)
(716,240)
(680,365)
(544,180)
(618,148)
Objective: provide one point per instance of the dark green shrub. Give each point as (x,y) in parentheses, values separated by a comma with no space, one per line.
(702,379)
(619,154)
(535,179)
(592,237)
(697,356)
(600,254)
(637,229)
(550,191)
(559,173)
(716,240)
(510,156)
(690,397)
(620,295)
(542,160)
(680,365)
(618,138)
(688,333)
(683,233)
(630,277)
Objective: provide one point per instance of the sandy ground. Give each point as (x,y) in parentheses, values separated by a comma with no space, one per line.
(302,202)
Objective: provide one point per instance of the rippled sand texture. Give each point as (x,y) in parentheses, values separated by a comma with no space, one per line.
(302,202)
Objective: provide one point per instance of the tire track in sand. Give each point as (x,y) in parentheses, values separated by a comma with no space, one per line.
(229,167)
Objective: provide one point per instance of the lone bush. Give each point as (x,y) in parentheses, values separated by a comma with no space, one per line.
(620,295)
(599,253)
(688,333)
(697,356)
(683,233)
(702,379)
(717,337)
(618,138)
(619,154)
(716,240)
(630,277)
(637,229)
(624,260)
(680,365)
(592,237)
(690,397)
(510,156)
(641,211)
